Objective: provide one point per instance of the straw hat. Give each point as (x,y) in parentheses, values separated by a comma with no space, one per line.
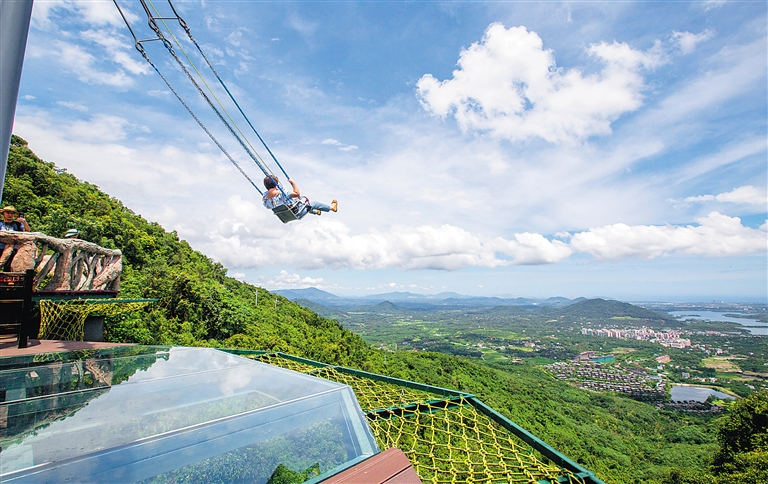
(9,208)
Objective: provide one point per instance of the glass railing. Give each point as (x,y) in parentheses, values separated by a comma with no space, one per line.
(173,414)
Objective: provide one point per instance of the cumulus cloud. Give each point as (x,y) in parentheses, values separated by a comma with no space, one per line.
(716,235)
(687,41)
(510,86)
(324,244)
(329,244)
(748,195)
(286,280)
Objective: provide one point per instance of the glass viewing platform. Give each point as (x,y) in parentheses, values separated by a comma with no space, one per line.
(160,414)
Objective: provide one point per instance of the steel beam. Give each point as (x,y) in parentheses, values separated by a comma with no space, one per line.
(14,27)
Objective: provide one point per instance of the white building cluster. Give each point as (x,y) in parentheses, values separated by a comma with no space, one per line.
(669,338)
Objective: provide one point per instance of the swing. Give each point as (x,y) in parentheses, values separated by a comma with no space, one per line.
(286,213)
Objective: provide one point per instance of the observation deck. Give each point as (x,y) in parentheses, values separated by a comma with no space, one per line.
(158,414)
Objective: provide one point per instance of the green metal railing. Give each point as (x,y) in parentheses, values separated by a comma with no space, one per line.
(454,399)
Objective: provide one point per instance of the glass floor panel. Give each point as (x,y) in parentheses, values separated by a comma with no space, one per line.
(158,414)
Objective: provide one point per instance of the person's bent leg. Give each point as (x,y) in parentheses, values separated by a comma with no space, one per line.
(315,206)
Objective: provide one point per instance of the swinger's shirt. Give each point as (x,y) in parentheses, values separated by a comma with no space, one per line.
(276,201)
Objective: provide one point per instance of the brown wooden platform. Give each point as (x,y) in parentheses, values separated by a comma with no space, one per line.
(8,345)
(388,467)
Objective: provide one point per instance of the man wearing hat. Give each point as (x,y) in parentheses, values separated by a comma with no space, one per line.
(11,222)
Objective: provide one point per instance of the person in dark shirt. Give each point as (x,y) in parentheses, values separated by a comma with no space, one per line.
(12,221)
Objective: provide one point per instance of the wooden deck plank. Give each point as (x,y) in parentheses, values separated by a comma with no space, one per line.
(388,467)
(8,345)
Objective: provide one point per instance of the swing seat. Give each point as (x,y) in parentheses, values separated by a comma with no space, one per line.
(289,214)
(284,213)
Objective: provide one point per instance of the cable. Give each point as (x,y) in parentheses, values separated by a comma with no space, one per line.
(210,65)
(140,48)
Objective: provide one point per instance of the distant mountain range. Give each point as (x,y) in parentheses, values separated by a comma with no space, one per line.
(444,300)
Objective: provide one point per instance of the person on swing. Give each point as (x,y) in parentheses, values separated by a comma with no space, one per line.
(274,198)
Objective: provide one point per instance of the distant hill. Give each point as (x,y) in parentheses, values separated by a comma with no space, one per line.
(387,307)
(605,309)
(310,294)
(404,299)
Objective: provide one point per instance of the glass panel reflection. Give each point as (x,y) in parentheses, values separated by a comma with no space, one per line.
(169,414)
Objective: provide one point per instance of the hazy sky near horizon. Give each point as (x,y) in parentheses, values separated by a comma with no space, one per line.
(530,149)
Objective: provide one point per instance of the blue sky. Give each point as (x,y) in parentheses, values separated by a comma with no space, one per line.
(532,149)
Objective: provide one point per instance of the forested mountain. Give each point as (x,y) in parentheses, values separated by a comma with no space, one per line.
(622,440)
(604,309)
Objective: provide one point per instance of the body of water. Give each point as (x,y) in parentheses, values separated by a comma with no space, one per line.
(756,327)
(699,394)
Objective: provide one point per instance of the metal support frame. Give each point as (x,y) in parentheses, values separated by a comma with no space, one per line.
(14,27)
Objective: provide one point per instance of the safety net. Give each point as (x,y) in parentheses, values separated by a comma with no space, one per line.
(447,437)
(65,319)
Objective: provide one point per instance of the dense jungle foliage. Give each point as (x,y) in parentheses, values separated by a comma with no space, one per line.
(621,440)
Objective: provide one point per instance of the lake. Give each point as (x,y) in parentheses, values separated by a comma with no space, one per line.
(759,329)
(699,394)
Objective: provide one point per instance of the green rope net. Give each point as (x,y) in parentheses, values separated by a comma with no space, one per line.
(447,439)
(65,320)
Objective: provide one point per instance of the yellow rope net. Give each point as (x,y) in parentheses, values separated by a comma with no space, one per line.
(65,320)
(447,439)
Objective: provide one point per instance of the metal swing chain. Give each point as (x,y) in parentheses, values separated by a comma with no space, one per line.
(221,81)
(169,47)
(142,51)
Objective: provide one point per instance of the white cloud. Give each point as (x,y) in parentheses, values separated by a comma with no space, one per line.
(41,13)
(686,41)
(28,97)
(748,195)
(727,155)
(81,63)
(325,243)
(117,49)
(73,106)
(510,86)
(94,13)
(305,27)
(317,243)
(106,128)
(159,93)
(286,280)
(102,13)
(716,235)
(710,4)
(342,146)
